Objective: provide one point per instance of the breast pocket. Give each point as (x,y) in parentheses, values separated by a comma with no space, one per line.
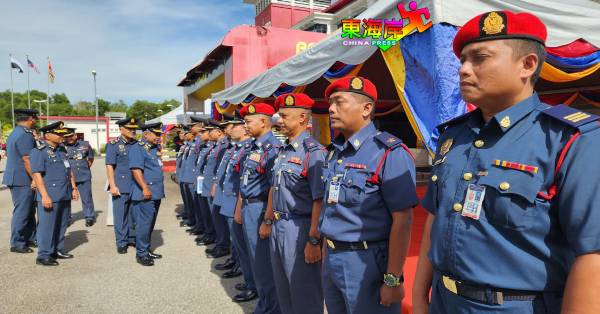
(511,198)
(292,176)
(353,187)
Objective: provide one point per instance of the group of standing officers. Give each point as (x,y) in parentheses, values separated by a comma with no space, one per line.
(512,202)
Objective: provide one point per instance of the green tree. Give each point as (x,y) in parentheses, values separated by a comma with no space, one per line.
(119,106)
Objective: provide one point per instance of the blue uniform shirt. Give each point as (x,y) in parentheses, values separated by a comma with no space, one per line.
(257,165)
(146,157)
(231,178)
(521,241)
(53,165)
(364,209)
(117,155)
(220,172)
(210,168)
(189,170)
(298,175)
(19,143)
(79,153)
(200,164)
(179,160)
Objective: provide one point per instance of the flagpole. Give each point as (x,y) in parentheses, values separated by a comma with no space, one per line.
(28,97)
(48,94)
(12,98)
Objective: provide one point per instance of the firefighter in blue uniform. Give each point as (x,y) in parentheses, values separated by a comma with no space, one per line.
(209,236)
(514,214)
(120,182)
(253,197)
(222,240)
(17,176)
(367,209)
(81,157)
(296,199)
(148,190)
(229,186)
(188,177)
(56,188)
(183,135)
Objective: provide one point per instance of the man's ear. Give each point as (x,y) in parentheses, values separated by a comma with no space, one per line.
(530,65)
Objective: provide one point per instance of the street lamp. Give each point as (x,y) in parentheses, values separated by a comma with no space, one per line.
(96,103)
(40,102)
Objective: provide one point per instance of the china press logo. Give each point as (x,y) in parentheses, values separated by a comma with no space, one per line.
(385,33)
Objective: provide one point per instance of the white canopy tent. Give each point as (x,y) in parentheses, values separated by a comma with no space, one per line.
(170,117)
(566,22)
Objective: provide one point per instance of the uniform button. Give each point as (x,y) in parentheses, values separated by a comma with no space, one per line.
(457,207)
(467,176)
(53,184)
(479,143)
(434,178)
(504,186)
(339,161)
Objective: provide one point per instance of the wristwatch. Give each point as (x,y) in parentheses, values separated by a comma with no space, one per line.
(314,240)
(268,221)
(391,280)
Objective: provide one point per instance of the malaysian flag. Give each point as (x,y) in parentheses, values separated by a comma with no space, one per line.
(31,65)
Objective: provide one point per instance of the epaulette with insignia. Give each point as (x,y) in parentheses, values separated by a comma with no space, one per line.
(453,121)
(113,141)
(311,144)
(388,139)
(40,145)
(573,117)
(141,143)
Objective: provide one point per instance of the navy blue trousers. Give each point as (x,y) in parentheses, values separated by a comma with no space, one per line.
(87,202)
(52,227)
(145,213)
(123,220)
(22,228)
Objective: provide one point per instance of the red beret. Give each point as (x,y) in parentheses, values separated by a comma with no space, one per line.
(294,100)
(500,25)
(260,108)
(354,84)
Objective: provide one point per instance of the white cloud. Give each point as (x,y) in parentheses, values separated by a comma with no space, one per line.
(140,48)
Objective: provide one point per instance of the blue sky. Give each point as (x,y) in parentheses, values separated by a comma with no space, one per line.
(140,48)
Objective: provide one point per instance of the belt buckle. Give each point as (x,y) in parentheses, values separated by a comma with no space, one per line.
(330,244)
(499,297)
(450,284)
(277,215)
(365,246)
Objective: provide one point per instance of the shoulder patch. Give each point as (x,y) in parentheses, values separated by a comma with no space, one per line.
(573,117)
(311,144)
(452,121)
(388,139)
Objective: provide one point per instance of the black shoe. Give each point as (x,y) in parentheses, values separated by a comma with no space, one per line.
(228,264)
(21,250)
(61,255)
(197,233)
(154,255)
(218,252)
(210,251)
(132,244)
(242,286)
(185,223)
(189,230)
(122,250)
(89,222)
(31,244)
(206,241)
(145,260)
(245,296)
(234,272)
(48,261)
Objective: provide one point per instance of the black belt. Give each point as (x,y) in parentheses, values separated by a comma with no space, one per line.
(278,215)
(253,200)
(350,246)
(487,295)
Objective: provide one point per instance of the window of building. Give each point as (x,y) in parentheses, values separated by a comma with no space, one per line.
(318,28)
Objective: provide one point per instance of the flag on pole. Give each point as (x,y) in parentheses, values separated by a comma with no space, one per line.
(14,64)
(31,65)
(50,72)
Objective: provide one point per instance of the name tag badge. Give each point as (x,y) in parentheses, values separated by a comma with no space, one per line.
(334,191)
(66,162)
(199,180)
(473,201)
(255,157)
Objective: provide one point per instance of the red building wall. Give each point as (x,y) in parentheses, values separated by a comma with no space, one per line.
(281,16)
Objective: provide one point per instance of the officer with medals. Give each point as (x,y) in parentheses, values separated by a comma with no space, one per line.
(513,222)
(223,238)
(188,177)
(17,176)
(253,197)
(120,182)
(295,207)
(228,185)
(202,193)
(367,210)
(81,157)
(148,190)
(56,188)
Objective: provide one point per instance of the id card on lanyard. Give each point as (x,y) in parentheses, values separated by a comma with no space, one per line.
(199,181)
(334,190)
(473,201)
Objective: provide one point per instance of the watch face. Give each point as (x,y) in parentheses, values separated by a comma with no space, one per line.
(313,241)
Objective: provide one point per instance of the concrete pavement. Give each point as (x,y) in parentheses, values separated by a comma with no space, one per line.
(98,280)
